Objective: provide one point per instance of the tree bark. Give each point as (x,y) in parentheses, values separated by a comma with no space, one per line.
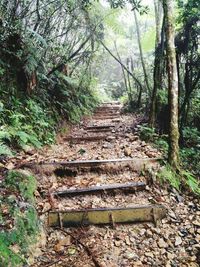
(141,54)
(173,153)
(157,75)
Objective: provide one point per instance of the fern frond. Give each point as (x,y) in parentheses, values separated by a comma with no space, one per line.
(5,150)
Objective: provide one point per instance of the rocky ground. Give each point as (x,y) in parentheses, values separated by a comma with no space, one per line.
(174,241)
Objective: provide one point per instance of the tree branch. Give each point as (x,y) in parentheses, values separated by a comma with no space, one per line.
(122,65)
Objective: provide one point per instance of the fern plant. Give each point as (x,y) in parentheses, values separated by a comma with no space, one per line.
(5,150)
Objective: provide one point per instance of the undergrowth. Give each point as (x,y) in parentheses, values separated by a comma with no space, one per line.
(189,154)
(184,180)
(33,120)
(18,218)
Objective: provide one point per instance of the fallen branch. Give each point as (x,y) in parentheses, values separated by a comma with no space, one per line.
(122,65)
(89,252)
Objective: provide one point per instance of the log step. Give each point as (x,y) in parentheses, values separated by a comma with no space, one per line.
(105,117)
(99,130)
(90,163)
(128,186)
(74,218)
(99,127)
(77,139)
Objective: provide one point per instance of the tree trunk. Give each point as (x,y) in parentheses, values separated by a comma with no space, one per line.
(173,154)
(158,19)
(141,54)
(129,82)
(124,74)
(157,75)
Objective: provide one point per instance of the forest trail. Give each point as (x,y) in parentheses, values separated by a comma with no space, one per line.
(105,149)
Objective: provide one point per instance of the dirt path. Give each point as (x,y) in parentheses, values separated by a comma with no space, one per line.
(173,242)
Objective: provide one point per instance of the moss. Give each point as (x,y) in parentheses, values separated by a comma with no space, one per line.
(18,218)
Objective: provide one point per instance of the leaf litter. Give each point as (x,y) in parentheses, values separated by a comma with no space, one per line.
(175,241)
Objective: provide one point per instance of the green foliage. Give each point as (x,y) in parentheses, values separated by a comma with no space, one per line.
(182,180)
(167,174)
(32,101)
(191,136)
(25,185)
(5,150)
(162,144)
(192,182)
(147,134)
(190,158)
(194,112)
(190,152)
(148,40)
(14,243)
(73,99)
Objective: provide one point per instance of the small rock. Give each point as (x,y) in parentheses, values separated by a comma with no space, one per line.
(149,233)
(131,256)
(143,143)
(178,241)
(117,243)
(142,232)
(107,145)
(196,223)
(170,256)
(110,138)
(133,138)
(193,264)
(168,264)
(138,264)
(162,243)
(183,232)
(193,258)
(127,152)
(10,166)
(172,214)
(46,207)
(127,240)
(149,254)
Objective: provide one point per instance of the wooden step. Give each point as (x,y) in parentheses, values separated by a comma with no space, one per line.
(77,139)
(99,130)
(71,218)
(90,163)
(100,126)
(78,191)
(105,117)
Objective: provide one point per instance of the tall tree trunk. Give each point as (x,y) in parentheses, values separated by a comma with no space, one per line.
(157,75)
(129,82)
(173,154)
(158,19)
(141,54)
